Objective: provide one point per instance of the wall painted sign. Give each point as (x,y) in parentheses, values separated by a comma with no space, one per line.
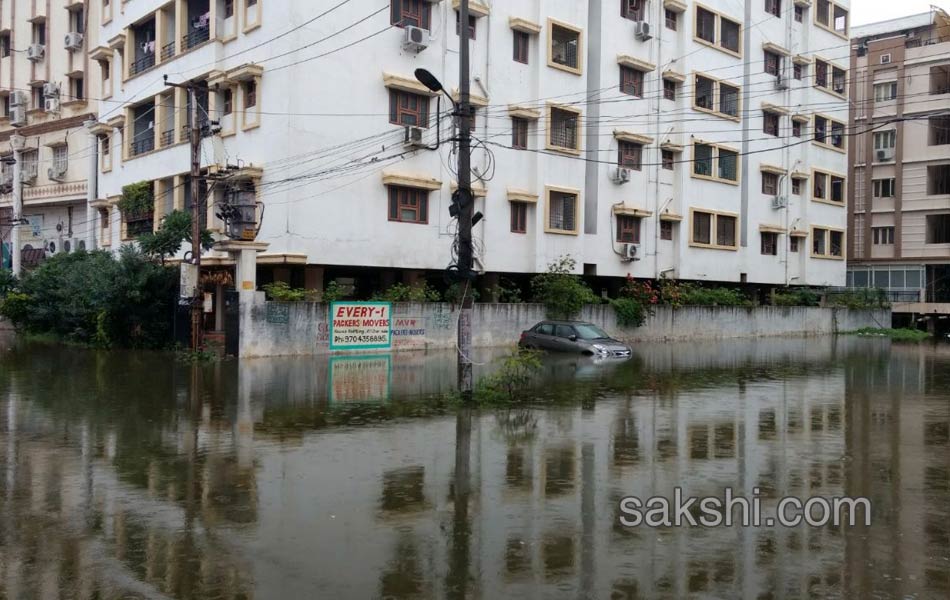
(361,325)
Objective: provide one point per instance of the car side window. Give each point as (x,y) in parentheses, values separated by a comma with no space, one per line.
(546,329)
(564,331)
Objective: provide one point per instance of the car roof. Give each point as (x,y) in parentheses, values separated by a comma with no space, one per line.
(564,323)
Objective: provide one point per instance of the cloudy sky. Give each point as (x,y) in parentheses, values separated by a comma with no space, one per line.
(871,11)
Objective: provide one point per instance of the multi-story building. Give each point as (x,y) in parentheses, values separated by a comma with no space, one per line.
(899,209)
(701,141)
(48,86)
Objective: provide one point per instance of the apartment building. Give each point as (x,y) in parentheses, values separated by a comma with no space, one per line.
(899,209)
(702,141)
(47,92)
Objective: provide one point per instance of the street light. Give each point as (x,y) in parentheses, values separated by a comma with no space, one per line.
(429,80)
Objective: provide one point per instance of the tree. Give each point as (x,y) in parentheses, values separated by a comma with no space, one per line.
(174,230)
(561,291)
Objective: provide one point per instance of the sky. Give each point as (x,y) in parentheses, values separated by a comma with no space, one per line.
(872,11)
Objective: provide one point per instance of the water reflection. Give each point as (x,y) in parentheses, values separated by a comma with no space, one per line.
(128,476)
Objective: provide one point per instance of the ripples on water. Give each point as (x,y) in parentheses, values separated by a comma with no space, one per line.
(127,476)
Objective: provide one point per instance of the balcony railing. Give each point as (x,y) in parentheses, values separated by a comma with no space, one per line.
(195,37)
(142,64)
(167,138)
(168,51)
(142,146)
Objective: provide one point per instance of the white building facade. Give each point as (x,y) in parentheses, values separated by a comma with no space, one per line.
(704,141)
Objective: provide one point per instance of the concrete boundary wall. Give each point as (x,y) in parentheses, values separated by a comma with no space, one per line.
(301,328)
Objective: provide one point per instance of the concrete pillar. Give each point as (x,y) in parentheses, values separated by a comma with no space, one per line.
(244,255)
(92,186)
(932,325)
(17,142)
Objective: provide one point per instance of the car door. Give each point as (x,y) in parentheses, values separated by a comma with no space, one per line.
(562,335)
(543,337)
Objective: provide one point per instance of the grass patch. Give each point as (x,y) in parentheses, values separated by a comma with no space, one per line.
(898,335)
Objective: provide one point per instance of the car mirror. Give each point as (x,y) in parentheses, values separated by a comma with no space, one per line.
(572,337)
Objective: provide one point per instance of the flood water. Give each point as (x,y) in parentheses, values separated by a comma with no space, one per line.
(126,475)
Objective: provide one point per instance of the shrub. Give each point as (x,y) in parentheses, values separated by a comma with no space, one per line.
(562,293)
(280,291)
(333,292)
(400,292)
(512,378)
(630,312)
(174,230)
(712,296)
(8,282)
(508,292)
(137,199)
(97,298)
(859,299)
(453,293)
(795,297)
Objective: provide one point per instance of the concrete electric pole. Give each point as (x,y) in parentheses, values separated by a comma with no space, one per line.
(465,251)
(17,142)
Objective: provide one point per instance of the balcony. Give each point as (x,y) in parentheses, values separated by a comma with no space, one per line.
(144,63)
(195,37)
(142,146)
(168,51)
(167,138)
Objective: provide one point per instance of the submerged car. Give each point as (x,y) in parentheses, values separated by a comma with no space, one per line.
(573,336)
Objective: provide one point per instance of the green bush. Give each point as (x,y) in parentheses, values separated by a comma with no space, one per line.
(630,312)
(508,292)
(280,291)
(562,293)
(8,282)
(137,199)
(453,293)
(512,378)
(400,292)
(97,298)
(174,230)
(859,299)
(712,296)
(795,297)
(333,292)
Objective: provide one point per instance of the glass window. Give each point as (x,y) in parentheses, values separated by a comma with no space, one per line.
(563,331)
(586,331)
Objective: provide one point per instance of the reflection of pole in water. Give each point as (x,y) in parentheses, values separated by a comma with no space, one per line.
(457,579)
(244,424)
(11,438)
(587,520)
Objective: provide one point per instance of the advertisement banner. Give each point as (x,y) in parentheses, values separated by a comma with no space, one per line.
(361,325)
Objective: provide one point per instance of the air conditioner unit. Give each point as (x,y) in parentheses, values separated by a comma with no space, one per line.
(73,244)
(631,251)
(51,89)
(641,31)
(18,116)
(56,173)
(51,104)
(416,39)
(414,137)
(781,83)
(621,175)
(28,173)
(73,41)
(884,155)
(19,98)
(779,202)
(35,52)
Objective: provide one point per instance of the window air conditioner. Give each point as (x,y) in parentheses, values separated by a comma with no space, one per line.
(56,173)
(621,175)
(884,155)
(73,41)
(414,137)
(50,90)
(631,251)
(35,52)
(19,98)
(779,202)
(416,39)
(18,116)
(641,31)
(51,104)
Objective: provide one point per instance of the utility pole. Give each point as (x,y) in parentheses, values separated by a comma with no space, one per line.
(465,250)
(195,137)
(92,186)
(17,141)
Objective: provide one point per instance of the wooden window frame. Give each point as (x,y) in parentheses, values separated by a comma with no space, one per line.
(518,217)
(774,8)
(772,63)
(403,10)
(397,110)
(768,243)
(521,41)
(630,155)
(399,198)
(669,89)
(671,18)
(628,229)
(771,123)
(666,231)
(769,183)
(549,193)
(631,81)
(631,13)
(519,133)
(667,160)
(713,243)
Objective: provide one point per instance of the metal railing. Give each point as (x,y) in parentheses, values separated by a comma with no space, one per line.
(195,37)
(168,51)
(167,138)
(142,146)
(142,64)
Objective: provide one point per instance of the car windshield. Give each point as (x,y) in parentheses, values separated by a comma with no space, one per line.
(589,332)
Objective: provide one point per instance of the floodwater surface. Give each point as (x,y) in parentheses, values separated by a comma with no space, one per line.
(126,475)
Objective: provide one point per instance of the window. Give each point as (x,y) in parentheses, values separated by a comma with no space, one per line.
(521,42)
(774,7)
(798,71)
(666,158)
(793,243)
(472,21)
(632,9)
(60,158)
(773,63)
(828,187)
(409,12)
(77,88)
(669,89)
(796,128)
(628,229)
(883,188)
(832,17)
(939,130)
(796,186)
(883,236)
(938,180)
(250,94)
(565,47)
(4,44)
(519,217)
(562,209)
(769,184)
(671,19)
(885,140)
(799,14)
(38,103)
(940,79)
(39,33)
(630,155)
(938,229)
(519,133)
(829,132)
(227,101)
(715,230)
(726,160)
(666,230)
(770,122)
(716,96)
(564,129)
(631,81)
(729,30)
(228,9)
(705,25)
(769,243)
(706,30)
(885,91)
(728,100)
(827,243)
(705,93)
(829,77)
(408,205)
(407,108)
